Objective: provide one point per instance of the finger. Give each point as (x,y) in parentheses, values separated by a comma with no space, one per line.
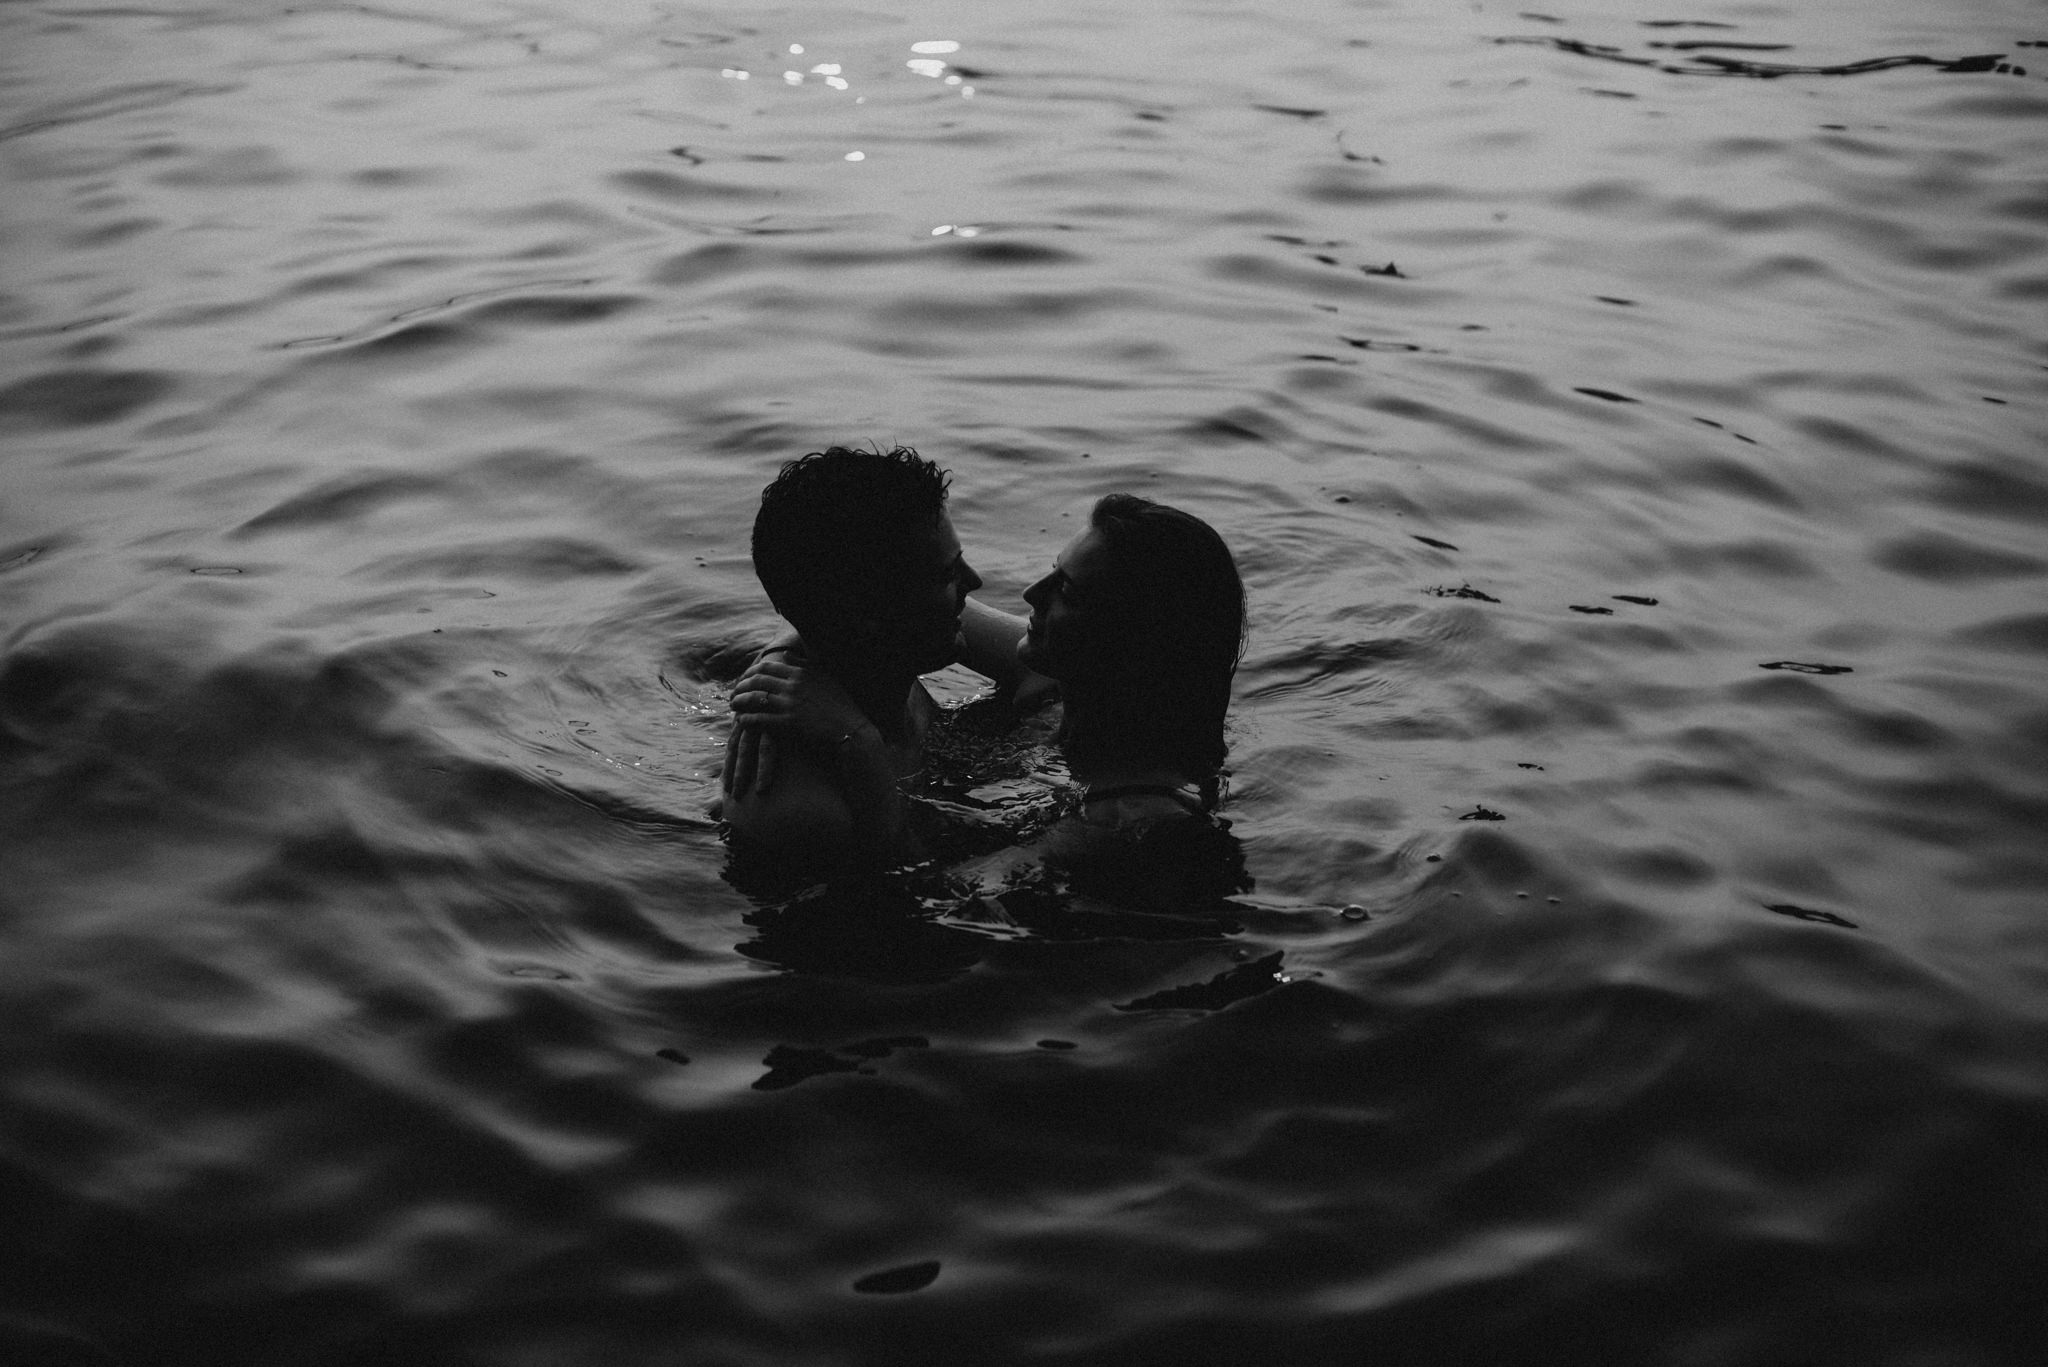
(754,674)
(762,696)
(725,773)
(764,763)
(756,701)
(746,778)
(766,711)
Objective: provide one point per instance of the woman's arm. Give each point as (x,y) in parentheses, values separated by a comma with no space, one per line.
(991,637)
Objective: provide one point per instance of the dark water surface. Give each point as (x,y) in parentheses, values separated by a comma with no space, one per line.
(1630,419)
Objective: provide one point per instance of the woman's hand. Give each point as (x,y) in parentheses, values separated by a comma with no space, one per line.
(778,700)
(782,701)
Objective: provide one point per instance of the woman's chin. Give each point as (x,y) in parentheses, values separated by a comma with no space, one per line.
(1031,654)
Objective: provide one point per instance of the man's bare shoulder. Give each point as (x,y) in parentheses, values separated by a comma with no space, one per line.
(802,817)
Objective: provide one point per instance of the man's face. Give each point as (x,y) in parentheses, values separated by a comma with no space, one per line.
(916,622)
(1058,644)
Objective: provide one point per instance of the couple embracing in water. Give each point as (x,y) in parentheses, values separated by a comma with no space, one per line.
(1135,632)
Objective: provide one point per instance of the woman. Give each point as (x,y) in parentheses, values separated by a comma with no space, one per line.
(1138,629)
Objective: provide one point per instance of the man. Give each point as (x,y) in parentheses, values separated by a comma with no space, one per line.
(856,552)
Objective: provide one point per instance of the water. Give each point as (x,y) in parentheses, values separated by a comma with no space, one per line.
(386,393)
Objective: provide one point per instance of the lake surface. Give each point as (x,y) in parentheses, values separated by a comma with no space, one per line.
(1632,421)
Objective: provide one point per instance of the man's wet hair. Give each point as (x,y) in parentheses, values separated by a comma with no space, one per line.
(846,518)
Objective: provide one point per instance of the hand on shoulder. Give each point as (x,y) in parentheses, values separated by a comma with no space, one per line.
(783,703)
(808,776)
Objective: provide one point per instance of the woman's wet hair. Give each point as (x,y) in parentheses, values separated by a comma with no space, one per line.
(1168,631)
(843,517)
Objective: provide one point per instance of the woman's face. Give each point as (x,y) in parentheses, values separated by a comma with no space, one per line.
(1058,644)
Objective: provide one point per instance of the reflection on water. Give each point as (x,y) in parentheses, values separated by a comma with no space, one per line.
(1637,767)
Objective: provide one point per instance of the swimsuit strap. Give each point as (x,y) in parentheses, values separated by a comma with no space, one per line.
(1171,790)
